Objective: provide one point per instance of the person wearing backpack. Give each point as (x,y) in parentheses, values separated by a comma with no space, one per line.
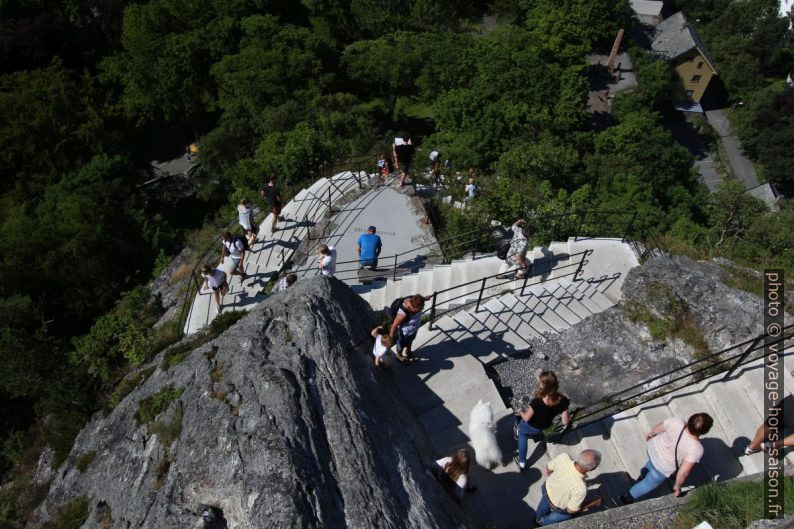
(235,247)
(673,450)
(407,314)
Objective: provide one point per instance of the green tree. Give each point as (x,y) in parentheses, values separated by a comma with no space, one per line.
(48,126)
(276,63)
(566,30)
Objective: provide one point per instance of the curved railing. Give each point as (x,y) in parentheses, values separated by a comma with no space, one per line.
(356,165)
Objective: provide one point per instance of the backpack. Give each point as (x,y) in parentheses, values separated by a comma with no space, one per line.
(395,306)
(242,240)
(503,250)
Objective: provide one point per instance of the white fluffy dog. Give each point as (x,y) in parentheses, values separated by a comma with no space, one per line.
(482,432)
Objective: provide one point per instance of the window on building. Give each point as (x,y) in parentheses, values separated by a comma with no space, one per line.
(696,78)
(700,65)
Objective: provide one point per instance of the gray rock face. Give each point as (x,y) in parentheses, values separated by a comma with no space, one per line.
(284,423)
(608,351)
(724,315)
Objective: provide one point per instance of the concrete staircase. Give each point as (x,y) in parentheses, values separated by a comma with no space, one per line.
(451,376)
(606,265)
(306,208)
(507,498)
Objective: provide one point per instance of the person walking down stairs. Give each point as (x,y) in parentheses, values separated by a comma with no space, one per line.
(547,402)
(271,193)
(673,450)
(563,495)
(516,256)
(235,247)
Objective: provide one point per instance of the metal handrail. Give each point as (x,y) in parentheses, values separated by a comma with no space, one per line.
(473,238)
(650,393)
(483,281)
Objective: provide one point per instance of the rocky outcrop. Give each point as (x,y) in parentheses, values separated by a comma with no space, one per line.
(611,350)
(280,422)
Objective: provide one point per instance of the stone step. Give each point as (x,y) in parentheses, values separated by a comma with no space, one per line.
(590,292)
(496,326)
(588,305)
(740,427)
(455,412)
(611,477)
(424,283)
(629,441)
(442,275)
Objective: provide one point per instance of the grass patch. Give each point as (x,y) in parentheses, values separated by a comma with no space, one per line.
(168,431)
(637,312)
(85,460)
(180,274)
(70,516)
(729,506)
(747,280)
(153,405)
(161,471)
(743,280)
(217,372)
(126,386)
(177,353)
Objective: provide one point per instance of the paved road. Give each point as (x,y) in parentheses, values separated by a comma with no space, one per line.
(740,166)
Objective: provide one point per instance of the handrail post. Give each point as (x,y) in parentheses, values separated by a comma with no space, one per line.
(433,311)
(394,274)
(330,209)
(628,227)
(579,227)
(476,247)
(524,284)
(479,298)
(744,355)
(579,268)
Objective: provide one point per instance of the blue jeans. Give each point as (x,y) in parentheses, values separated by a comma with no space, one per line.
(546,513)
(525,431)
(653,478)
(372,263)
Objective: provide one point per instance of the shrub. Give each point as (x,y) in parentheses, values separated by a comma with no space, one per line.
(153,405)
(126,386)
(85,460)
(70,516)
(168,431)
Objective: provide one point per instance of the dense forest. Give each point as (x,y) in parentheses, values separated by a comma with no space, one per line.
(91,91)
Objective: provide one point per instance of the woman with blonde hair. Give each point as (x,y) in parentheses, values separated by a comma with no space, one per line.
(454,472)
(547,402)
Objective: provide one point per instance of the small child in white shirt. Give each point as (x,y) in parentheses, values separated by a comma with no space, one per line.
(382,348)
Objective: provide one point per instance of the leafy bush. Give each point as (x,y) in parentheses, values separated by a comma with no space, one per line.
(70,516)
(152,406)
(168,431)
(85,460)
(126,386)
(123,333)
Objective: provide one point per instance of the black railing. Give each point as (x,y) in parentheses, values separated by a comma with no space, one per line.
(407,260)
(576,262)
(672,380)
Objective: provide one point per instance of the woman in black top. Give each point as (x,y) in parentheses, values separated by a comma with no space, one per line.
(547,402)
